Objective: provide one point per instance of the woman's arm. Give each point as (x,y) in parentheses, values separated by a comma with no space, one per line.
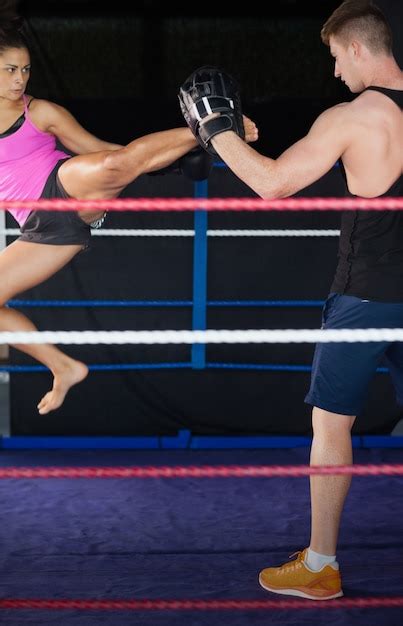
(55,119)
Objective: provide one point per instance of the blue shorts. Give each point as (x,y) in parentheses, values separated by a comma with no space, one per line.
(342,372)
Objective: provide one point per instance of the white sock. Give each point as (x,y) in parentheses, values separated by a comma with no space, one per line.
(316,561)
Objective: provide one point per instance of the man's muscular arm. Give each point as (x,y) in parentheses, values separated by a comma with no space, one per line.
(299,166)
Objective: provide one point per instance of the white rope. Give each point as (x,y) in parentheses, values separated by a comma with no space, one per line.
(129,232)
(204,336)
(273,233)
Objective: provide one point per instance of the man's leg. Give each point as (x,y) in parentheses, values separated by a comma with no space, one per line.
(315,573)
(340,377)
(331,445)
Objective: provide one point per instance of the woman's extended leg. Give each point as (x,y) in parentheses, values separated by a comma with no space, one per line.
(99,175)
(22,266)
(105,174)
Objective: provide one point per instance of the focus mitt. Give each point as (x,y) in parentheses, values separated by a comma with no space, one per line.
(211,90)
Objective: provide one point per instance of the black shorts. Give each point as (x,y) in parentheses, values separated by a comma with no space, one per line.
(58,228)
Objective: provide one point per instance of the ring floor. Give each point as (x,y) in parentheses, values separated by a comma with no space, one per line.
(187,538)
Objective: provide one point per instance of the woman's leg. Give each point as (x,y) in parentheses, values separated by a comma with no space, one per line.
(22,266)
(104,174)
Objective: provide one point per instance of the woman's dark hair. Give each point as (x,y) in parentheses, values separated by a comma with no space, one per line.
(11,26)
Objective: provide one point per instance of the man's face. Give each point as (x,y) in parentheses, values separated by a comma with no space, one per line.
(346,64)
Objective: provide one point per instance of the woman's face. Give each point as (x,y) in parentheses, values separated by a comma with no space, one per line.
(15,66)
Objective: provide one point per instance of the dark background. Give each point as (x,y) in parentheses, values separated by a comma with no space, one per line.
(133,60)
(118,71)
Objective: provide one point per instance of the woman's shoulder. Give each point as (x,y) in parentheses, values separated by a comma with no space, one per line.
(39,104)
(43,113)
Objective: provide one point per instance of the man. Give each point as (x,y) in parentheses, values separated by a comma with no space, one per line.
(367,136)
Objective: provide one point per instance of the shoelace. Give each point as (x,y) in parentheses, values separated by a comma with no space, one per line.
(290,567)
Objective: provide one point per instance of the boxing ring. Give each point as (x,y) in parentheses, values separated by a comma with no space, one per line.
(178,536)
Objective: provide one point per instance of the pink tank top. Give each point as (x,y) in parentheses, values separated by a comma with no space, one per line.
(27,157)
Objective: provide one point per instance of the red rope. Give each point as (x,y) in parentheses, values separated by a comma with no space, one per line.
(200,605)
(210,204)
(206,471)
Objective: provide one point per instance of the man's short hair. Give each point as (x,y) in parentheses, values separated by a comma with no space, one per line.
(361,19)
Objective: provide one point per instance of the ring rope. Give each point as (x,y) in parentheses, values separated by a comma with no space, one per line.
(129,232)
(339,335)
(209,204)
(206,471)
(125,367)
(111,367)
(165,303)
(198,605)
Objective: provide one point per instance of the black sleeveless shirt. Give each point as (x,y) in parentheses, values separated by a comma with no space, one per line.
(371,245)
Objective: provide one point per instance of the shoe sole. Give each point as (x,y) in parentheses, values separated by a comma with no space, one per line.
(300,594)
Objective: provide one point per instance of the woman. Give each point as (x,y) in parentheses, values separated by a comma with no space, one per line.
(32,167)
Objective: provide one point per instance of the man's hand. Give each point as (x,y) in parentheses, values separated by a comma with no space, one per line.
(251,130)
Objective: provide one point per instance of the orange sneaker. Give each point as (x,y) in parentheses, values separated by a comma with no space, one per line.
(296,579)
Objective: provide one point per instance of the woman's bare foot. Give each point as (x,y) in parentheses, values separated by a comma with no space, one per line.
(71,373)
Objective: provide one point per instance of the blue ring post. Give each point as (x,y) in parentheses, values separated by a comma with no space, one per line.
(200,276)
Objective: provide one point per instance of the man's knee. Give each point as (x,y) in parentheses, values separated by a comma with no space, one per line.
(326,422)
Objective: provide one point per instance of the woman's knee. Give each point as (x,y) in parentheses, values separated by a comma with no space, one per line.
(123,166)
(89,176)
